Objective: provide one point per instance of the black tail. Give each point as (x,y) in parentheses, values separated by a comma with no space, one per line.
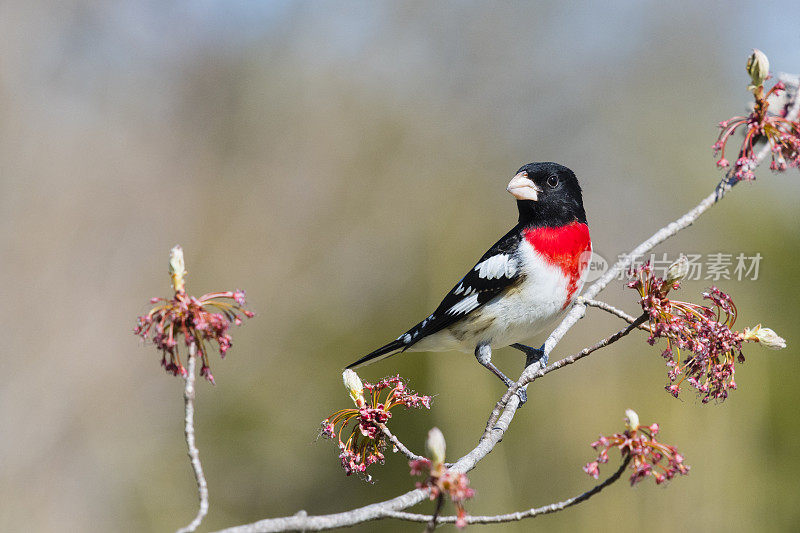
(392,348)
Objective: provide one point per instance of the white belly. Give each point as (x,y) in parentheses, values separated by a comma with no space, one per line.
(514,316)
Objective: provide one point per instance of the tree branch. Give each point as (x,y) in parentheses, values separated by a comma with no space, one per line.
(194,453)
(304,522)
(520,515)
(613,310)
(588,350)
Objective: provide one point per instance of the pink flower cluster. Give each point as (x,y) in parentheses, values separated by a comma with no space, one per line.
(704,332)
(440,480)
(366,442)
(648,456)
(783,136)
(196,321)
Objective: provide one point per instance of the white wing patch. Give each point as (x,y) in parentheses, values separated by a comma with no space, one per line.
(496,267)
(466,290)
(464,306)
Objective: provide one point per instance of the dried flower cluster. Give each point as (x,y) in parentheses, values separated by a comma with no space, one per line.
(648,456)
(703,332)
(440,480)
(192,320)
(783,135)
(366,442)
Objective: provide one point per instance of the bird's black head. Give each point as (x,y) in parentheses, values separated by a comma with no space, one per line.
(548,194)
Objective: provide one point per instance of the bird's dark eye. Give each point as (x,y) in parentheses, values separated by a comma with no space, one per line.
(552,182)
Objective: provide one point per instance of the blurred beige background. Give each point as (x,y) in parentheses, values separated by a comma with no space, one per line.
(344,165)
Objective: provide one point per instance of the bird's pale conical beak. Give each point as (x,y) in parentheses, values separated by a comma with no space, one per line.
(522,187)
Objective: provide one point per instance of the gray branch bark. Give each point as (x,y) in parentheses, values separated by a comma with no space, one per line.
(194,453)
(520,515)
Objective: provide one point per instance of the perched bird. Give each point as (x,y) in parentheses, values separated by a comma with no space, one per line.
(518,287)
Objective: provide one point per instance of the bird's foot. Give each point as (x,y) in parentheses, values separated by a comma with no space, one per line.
(523,397)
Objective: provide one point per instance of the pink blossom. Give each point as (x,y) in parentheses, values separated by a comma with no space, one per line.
(782,135)
(648,456)
(365,443)
(702,346)
(442,480)
(195,320)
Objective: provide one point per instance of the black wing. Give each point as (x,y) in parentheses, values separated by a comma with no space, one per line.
(496,271)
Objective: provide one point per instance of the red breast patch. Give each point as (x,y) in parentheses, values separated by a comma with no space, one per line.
(563,247)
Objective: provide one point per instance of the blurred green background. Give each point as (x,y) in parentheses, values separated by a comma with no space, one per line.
(344,163)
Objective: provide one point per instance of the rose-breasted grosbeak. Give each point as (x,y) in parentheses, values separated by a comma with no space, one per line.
(528,278)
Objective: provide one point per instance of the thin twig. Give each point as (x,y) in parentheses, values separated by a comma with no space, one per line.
(399,445)
(586,351)
(194,453)
(520,515)
(433,518)
(613,310)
